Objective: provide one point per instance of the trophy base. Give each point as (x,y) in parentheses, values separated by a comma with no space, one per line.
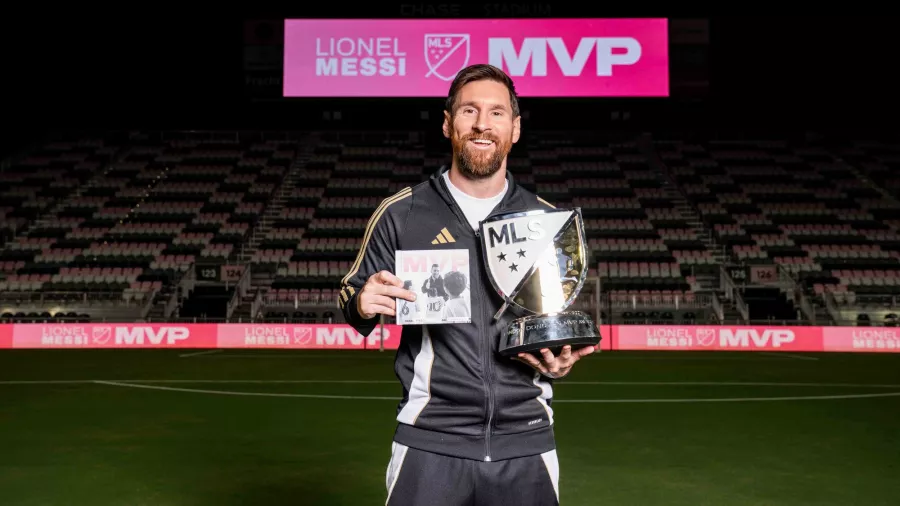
(531,334)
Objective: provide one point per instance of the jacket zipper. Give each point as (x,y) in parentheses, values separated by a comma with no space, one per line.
(485,348)
(486,345)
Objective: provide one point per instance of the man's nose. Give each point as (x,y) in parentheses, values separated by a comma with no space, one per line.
(481,122)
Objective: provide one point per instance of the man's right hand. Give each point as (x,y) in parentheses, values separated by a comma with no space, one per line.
(379,294)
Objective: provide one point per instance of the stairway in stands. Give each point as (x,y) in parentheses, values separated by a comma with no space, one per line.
(730,313)
(161,299)
(823,316)
(885,194)
(261,279)
(705,281)
(50,216)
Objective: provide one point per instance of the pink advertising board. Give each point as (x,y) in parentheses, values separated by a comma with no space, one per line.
(6,333)
(338,337)
(419,58)
(344,337)
(868,339)
(173,335)
(715,337)
(113,335)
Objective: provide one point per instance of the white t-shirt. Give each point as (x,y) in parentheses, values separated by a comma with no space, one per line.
(409,310)
(474,208)
(457,308)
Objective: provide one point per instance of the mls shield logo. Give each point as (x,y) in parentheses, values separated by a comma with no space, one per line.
(536,260)
(302,335)
(706,337)
(101,335)
(446,54)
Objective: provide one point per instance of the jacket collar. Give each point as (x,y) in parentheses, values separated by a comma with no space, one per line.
(510,199)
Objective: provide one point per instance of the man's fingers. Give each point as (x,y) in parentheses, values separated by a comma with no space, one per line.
(372,304)
(529,359)
(394,291)
(587,350)
(384,283)
(533,362)
(388,278)
(369,310)
(381,300)
(387,311)
(552,366)
(549,359)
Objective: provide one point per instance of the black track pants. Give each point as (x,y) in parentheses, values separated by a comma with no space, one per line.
(419,478)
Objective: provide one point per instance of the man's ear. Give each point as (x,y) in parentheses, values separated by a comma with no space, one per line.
(517,129)
(446,126)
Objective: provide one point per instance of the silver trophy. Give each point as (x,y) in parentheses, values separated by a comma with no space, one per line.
(537,261)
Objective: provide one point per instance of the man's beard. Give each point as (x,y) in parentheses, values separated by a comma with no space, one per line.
(477,164)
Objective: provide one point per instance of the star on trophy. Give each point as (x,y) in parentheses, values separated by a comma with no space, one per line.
(537,261)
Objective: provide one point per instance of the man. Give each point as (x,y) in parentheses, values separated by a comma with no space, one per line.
(434,286)
(474,428)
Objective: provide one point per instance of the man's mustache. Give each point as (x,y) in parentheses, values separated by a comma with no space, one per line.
(475,137)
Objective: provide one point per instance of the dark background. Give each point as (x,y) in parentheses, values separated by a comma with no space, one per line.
(158,67)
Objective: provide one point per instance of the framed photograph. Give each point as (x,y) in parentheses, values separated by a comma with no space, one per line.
(440,279)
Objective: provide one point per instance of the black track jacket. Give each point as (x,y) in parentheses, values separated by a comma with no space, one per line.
(460,396)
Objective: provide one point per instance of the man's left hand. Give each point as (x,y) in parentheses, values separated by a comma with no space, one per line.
(555,367)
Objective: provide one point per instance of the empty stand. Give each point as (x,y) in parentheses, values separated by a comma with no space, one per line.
(120,226)
(129,226)
(799,207)
(644,248)
(310,244)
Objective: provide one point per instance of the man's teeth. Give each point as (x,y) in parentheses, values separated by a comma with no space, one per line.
(482,141)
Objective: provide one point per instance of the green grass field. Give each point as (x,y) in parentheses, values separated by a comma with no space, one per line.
(262,427)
